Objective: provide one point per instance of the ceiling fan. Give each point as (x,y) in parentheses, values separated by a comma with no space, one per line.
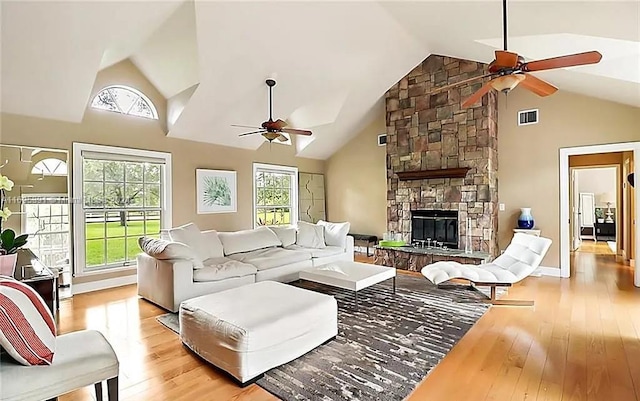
(509,70)
(270,129)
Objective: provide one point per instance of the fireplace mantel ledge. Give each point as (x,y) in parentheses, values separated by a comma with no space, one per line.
(458,172)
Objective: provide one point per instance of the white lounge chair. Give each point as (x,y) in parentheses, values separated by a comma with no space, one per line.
(519,260)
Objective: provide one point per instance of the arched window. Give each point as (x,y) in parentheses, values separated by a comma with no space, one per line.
(50,166)
(124,100)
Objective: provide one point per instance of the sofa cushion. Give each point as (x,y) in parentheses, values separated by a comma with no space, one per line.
(248,240)
(310,235)
(335,234)
(269,258)
(216,269)
(190,235)
(214,245)
(316,252)
(165,250)
(286,234)
(27,328)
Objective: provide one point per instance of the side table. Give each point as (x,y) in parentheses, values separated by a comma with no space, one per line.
(531,231)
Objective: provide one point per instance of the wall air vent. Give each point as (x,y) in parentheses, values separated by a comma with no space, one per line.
(528,117)
(382,140)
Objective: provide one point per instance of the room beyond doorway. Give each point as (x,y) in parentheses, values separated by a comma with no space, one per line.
(595,192)
(622,155)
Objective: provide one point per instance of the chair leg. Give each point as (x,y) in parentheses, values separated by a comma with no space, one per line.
(507,302)
(98,386)
(112,388)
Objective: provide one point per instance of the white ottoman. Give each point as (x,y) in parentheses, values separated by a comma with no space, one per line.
(248,330)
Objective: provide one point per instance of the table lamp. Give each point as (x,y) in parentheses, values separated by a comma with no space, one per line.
(607,198)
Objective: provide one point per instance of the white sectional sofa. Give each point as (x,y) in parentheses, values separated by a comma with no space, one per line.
(186,263)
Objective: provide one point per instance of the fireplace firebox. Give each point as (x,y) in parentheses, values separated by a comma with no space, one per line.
(436,225)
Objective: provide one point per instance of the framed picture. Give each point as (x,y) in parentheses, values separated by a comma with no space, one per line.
(216,191)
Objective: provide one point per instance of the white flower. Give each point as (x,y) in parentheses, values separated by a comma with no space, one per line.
(5,213)
(6,183)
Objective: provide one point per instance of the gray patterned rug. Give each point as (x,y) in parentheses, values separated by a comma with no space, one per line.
(385,346)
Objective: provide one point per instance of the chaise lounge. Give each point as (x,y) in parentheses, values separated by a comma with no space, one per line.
(521,258)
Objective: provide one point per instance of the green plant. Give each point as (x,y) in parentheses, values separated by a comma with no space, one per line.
(9,243)
(599,213)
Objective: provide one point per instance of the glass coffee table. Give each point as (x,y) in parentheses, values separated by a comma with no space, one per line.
(353,276)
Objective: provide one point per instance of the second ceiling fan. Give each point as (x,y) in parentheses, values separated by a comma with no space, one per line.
(272,130)
(509,70)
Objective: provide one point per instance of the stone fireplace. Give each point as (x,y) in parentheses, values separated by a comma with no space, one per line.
(442,157)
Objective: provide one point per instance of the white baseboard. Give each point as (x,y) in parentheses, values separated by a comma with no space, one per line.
(104,284)
(547,271)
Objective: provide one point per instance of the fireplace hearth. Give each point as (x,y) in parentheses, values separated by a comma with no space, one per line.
(435,225)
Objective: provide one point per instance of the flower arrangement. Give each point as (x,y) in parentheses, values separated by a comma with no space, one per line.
(9,242)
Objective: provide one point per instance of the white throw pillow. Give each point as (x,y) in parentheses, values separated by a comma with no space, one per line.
(248,240)
(286,234)
(164,250)
(214,245)
(335,234)
(310,235)
(190,235)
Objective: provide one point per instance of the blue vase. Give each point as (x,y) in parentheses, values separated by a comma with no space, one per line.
(525,221)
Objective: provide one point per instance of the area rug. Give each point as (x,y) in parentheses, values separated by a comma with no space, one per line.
(385,345)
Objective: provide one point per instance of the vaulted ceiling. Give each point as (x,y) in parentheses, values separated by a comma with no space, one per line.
(333,60)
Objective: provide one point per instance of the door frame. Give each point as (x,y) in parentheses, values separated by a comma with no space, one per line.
(565,182)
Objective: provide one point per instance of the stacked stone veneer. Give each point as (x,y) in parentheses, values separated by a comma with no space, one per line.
(431,132)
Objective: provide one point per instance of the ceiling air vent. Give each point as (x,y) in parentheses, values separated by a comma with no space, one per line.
(382,140)
(528,117)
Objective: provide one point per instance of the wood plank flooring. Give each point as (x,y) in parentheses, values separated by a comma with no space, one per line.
(600,247)
(581,341)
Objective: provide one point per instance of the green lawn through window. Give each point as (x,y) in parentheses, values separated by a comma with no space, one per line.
(116,235)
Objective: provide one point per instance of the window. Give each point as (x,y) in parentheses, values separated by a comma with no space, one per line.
(125,195)
(275,195)
(124,100)
(55,167)
(46,220)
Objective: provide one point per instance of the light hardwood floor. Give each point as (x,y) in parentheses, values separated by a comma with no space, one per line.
(600,247)
(580,342)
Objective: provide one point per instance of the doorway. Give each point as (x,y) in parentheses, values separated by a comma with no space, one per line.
(623,209)
(596,220)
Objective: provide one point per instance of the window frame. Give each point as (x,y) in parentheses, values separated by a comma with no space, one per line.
(293,196)
(50,173)
(63,200)
(78,209)
(144,97)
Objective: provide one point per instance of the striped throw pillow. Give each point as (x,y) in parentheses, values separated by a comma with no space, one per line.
(27,328)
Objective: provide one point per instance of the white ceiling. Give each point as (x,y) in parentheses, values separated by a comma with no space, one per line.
(333,60)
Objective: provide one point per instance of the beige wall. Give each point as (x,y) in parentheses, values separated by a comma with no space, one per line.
(528,156)
(357,182)
(106,128)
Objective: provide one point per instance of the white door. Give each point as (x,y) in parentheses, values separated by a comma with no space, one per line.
(575,212)
(587,209)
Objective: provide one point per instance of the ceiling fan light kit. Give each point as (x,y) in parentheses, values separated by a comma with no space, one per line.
(272,130)
(509,70)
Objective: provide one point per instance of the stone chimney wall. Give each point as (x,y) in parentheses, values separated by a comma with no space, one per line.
(432,132)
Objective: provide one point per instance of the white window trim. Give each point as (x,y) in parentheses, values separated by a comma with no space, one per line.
(48,174)
(293,217)
(23,223)
(154,111)
(78,218)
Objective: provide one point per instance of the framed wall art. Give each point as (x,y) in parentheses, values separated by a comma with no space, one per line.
(217,191)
